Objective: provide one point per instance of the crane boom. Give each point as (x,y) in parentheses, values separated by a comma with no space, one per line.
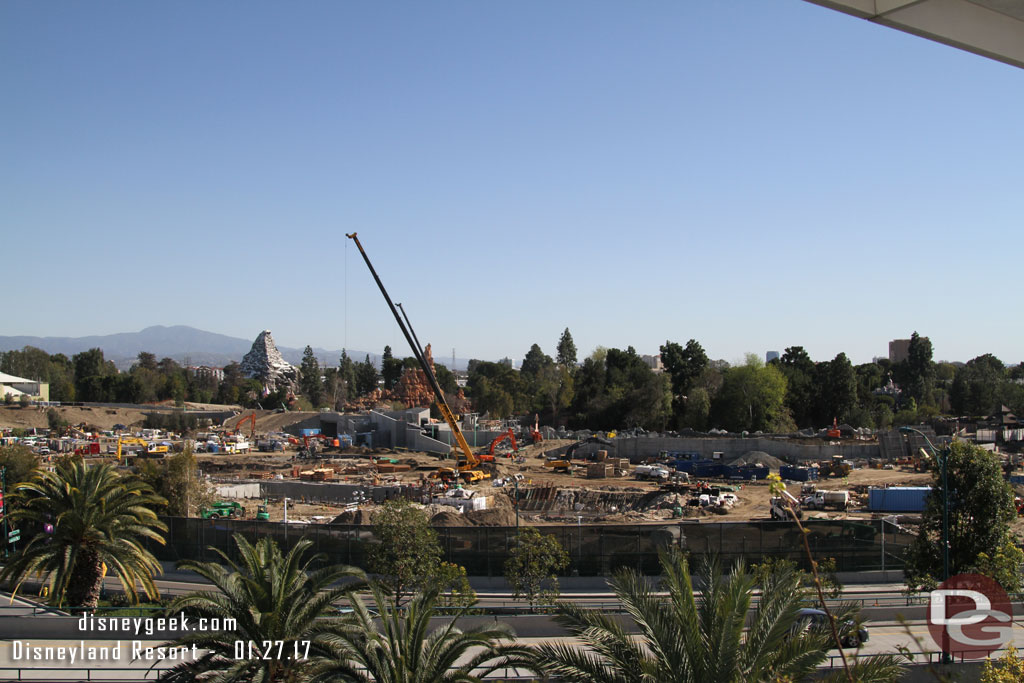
(442,405)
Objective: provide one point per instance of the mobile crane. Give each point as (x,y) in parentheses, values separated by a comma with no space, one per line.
(466,468)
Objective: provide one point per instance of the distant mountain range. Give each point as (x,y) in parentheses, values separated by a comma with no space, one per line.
(180,342)
(186,345)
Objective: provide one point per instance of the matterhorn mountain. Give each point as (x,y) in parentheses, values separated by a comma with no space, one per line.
(266,364)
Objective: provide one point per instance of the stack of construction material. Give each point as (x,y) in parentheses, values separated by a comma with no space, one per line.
(388,468)
(318,474)
(600,470)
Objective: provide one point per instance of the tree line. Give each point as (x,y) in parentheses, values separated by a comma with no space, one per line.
(610,389)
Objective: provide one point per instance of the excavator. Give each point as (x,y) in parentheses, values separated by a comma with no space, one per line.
(147,448)
(489,455)
(467,467)
(251,419)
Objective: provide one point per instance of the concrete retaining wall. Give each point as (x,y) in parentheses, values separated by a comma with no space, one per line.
(239,491)
(798,450)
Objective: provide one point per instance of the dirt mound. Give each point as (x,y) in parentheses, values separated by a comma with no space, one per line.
(449,518)
(357,517)
(758,458)
(494,517)
(502,499)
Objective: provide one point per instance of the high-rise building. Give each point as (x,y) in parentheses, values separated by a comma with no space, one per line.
(770,356)
(899,349)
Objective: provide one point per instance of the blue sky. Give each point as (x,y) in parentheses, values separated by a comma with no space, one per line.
(753,175)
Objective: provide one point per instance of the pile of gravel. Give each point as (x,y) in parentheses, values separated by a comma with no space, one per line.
(758,458)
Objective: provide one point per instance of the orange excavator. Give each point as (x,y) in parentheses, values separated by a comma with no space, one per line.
(251,419)
(510,436)
(466,465)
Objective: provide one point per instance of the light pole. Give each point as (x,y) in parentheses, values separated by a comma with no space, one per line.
(943,462)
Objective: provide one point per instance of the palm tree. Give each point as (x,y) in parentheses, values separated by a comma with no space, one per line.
(697,638)
(275,603)
(404,649)
(99,519)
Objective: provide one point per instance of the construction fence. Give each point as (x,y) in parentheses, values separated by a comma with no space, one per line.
(594,550)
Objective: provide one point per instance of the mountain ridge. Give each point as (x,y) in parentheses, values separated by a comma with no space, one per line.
(185,344)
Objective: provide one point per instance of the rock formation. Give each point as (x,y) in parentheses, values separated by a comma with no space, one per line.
(411,390)
(265,363)
(412,387)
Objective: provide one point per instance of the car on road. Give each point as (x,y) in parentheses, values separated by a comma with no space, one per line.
(851,635)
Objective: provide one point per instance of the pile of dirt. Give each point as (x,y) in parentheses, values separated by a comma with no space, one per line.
(357,517)
(501,499)
(493,517)
(449,518)
(758,458)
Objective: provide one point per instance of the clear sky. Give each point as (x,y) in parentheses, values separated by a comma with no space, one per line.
(750,174)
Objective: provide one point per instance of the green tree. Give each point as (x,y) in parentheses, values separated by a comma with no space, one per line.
(978,387)
(532,567)
(533,361)
(90,368)
(62,378)
(837,388)
(801,385)
(99,517)
(310,381)
(406,648)
(366,377)
(268,598)
(183,486)
(1007,669)
(714,636)
(916,375)
(54,420)
(1005,565)
(346,378)
(566,351)
(407,554)
(684,366)
(752,398)
(496,389)
(980,511)
(19,462)
(390,369)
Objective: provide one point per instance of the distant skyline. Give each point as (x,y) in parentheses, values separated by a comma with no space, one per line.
(750,175)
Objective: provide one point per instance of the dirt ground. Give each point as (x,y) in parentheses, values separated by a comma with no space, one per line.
(753,496)
(14,417)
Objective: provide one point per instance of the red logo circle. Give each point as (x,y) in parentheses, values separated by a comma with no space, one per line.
(970,616)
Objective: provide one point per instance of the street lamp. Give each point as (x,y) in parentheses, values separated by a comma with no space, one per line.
(943,462)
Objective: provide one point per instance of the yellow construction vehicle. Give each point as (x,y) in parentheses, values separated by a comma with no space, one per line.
(148,448)
(130,440)
(467,467)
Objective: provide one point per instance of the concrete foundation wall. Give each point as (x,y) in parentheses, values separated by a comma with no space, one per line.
(329,492)
(812,450)
(239,491)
